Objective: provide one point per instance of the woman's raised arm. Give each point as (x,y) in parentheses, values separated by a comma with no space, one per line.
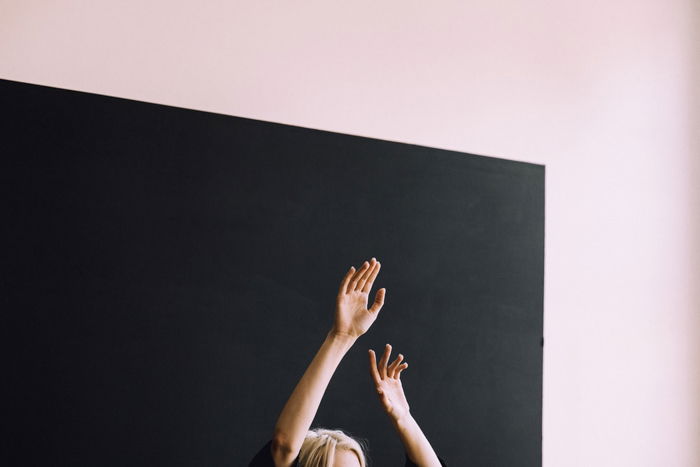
(352,319)
(387,381)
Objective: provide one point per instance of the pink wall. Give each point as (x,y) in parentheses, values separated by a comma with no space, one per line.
(605,93)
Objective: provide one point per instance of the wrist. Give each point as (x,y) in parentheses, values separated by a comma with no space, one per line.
(402,421)
(341,338)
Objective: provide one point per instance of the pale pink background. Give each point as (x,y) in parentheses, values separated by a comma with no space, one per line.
(605,93)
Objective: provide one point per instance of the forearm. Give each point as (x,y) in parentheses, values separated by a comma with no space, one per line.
(299,411)
(417,446)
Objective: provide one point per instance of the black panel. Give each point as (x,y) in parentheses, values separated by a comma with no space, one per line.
(170,273)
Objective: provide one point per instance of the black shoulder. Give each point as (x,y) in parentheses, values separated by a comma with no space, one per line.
(264,457)
(409,462)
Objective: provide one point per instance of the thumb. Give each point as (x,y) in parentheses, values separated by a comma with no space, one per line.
(378,301)
(384,398)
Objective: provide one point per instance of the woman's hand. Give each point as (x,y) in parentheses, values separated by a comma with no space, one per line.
(352,318)
(387,380)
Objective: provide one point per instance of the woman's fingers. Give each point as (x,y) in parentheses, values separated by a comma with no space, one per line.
(367,286)
(373,367)
(361,280)
(346,280)
(391,370)
(360,272)
(368,272)
(378,301)
(384,360)
(402,367)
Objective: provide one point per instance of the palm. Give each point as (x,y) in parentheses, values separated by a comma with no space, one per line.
(387,381)
(394,400)
(352,313)
(352,316)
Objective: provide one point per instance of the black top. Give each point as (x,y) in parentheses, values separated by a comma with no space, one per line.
(264,459)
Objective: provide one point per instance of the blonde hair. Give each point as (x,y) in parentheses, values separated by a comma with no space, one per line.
(321,444)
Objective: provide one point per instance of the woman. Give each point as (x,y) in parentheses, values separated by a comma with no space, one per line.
(292,443)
